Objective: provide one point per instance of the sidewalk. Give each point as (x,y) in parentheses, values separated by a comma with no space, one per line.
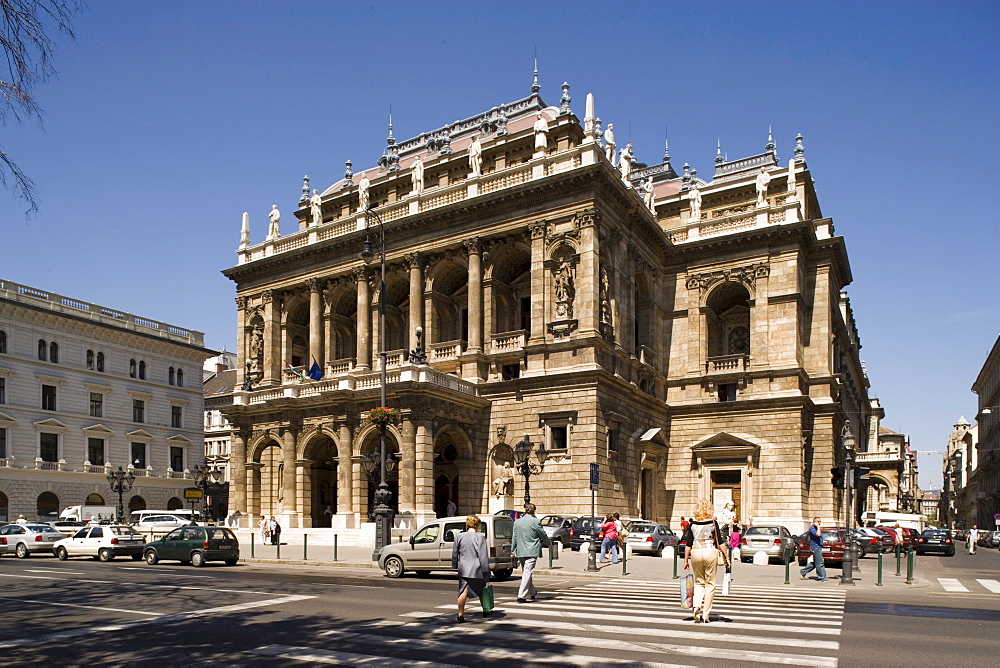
(574,564)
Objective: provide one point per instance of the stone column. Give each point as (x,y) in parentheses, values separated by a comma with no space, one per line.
(587,305)
(345,478)
(538,296)
(238,483)
(416,263)
(358,488)
(289,439)
(315,323)
(242,342)
(303,497)
(424,471)
(407,469)
(475,295)
(364,319)
(253,491)
(272,337)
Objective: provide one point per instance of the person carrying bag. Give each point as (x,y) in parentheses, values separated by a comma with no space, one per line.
(703,551)
(470,557)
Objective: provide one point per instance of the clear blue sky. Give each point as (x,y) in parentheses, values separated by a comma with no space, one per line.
(168,120)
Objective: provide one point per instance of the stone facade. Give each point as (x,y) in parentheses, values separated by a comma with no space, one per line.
(980,496)
(693,339)
(85,389)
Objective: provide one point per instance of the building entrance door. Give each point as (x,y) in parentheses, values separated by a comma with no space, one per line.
(726,487)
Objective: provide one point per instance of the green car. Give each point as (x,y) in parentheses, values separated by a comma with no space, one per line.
(196,545)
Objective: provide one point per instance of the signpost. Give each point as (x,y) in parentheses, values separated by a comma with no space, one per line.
(194,495)
(595,482)
(996,520)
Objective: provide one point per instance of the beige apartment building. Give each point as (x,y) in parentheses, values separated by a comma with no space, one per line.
(692,338)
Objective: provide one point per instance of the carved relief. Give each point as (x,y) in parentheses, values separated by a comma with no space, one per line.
(747,275)
(266,296)
(587,218)
(241,303)
(538,229)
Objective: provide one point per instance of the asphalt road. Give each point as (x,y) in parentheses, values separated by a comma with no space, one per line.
(82,612)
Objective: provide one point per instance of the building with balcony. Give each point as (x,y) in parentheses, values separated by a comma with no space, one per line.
(692,338)
(85,389)
(220,381)
(982,494)
(960,460)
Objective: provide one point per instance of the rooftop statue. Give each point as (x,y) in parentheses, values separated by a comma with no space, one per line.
(245,230)
(316,208)
(609,143)
(647,193)
(694,196)
(626,160)
(762,180)
(363,186)
(274,229)
(418,176)
(541,130)
(476,157)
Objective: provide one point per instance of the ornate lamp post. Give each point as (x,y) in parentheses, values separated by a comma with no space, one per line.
(204,476)
(847,439)
(522,454)
(384,515)
(121,482)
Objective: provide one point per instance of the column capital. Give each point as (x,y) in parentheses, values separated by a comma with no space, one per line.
(538,229)
(267,296)
(313,284)
(360,274)
(473,246)
(241,303)
(415,260)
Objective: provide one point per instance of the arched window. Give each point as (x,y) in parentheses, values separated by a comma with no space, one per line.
(136,503)
(95,500)
(170,375)
(43,350)
(3,341)
(4,508)
(142,370)
(131,368)
(48,505)
(174,503)
(54,352)
(90,360)
(728,316)
(180,378)
(100,361)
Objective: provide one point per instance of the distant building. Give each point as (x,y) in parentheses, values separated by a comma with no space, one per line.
(960,460)
(929,505)
(892,481)
(218,390)
(85,389)
(982,500)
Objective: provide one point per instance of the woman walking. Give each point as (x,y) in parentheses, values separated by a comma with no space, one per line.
(471,559)
(610,530)
(265,530)
(703,547)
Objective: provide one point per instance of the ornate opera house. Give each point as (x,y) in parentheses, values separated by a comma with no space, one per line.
(691,337)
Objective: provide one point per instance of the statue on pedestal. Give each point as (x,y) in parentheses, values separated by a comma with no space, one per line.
(363,186)
(274,229)
(418,176)
(647,193)
(503,484)
(609,143)
(245,230)
(476,157)
(694,197)
(626,160)
(541,136)
(762,180)
(316,208)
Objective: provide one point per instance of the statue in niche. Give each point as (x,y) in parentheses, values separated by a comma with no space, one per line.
(564,288)
(541,133)
(476,157)
(503,483)
(762,180)
(609,143)
(274,228)
(605,297)
(418,176)
(281,481)
(694,196)
(626,160)
(256,348)
(363,185)
(647,193)
(316,208)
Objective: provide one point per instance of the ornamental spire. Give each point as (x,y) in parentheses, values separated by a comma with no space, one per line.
(718,152)
(800,150)
(770,146)
(535,87)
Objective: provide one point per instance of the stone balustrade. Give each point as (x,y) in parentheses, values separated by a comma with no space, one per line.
(446,350)
(507,341)
(726,365)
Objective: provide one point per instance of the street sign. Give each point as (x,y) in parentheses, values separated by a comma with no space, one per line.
(595,476)
(997,516)
(193,493)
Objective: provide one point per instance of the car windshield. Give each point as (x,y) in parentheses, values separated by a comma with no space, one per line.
(41,528)
(763,531)
(635,527)
(935,532)
(503,528)
(124,531)
(551,521)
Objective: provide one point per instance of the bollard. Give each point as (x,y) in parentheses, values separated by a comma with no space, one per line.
(550,554)
(788,564)
(879,583)
(909,565)
(897,561)
(278,543)
(251,546)
(334,547)
(305,547)
(624,559)
(677,547)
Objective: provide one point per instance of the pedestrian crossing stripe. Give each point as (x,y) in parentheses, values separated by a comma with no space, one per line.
(954,585)
(992,585)
(950,584)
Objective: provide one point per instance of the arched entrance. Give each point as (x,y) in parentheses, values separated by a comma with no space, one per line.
(323,453)
(48,506)
(446,477)
(268,479)
(4,508)
(95,500)
(136,503)
(175,504)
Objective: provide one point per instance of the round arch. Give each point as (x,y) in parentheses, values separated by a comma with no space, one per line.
(4,508)
(310,438)
(453,472)
(136,503)
(367,442)
(174,503)
(94,499)
(727,310)
(47,505)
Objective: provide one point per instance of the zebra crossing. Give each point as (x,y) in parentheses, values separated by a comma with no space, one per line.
(610,622)
(955,586)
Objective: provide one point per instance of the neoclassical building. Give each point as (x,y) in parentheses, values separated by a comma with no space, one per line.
(693,338)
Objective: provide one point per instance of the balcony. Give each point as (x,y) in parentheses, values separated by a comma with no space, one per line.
(727,365)
(507,341)
(446,350)
(878,457)
(647,356)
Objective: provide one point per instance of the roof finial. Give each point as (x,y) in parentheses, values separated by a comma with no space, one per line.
(348,173)
(535,87)
(770,146)
(718,152)
(800,150)
(305,189)
(565,99)
(666,144)
(390,140)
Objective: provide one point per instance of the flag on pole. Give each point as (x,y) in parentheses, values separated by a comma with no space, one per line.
(314,371)
(296,372)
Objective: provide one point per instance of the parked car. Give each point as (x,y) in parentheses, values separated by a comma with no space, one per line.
(871,541)
(67,527)
(935,540)
(989,539)
(104,542)
(557,527)
(772,539)
(162,522)
(893,531)
(430,548)
(649,538)
(25,539)
(584,529)
(195,545)
(3,545)
(833,547)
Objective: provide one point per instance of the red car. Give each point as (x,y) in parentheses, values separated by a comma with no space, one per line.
(833,547)
(908,538)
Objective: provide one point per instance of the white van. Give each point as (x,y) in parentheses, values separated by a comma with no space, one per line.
(136,516)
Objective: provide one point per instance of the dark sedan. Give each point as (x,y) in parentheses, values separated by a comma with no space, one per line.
(195,545)
(935,541)
(584,529)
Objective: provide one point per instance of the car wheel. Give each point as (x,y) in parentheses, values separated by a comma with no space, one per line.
(658,552)
(197,559)
(503,573)
(136,557)
(951,554)
(104,554)
(231,562)
(393,567)
(22,551)
(151,557)
(861,552)
(62,554)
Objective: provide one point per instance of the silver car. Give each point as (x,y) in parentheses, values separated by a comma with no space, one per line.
(557,528)
(772,539)
(649,538)
(27,538)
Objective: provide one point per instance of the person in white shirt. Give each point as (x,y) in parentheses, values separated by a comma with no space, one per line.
(973,537)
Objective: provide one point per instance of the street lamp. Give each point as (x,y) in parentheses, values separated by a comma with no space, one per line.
(204,476)
(370,464)
(384,515)
(121,482)
(847,440)
(522,454)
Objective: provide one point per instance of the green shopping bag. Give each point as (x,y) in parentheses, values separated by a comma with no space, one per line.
(487,598)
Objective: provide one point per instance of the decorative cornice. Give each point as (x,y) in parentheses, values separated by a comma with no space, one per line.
(747,275)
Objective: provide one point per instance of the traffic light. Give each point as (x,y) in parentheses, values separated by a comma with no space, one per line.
(838,476)
(861,479)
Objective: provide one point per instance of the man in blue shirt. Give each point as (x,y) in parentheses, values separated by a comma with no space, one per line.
(815,535)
